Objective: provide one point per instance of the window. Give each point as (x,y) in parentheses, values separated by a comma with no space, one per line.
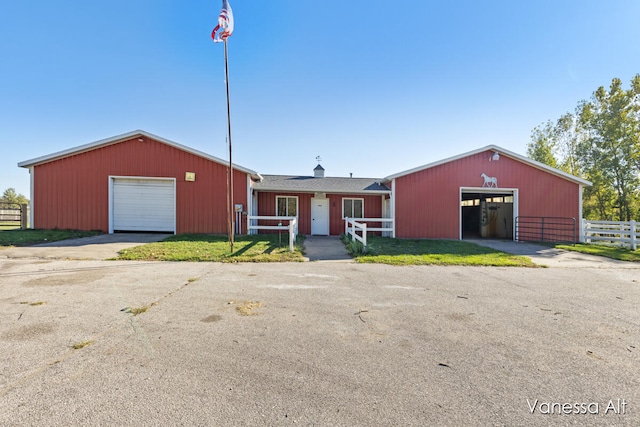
(470,202)
(286,206)
(353,208)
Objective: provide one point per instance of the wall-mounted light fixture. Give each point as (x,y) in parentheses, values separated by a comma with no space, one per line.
(494,157)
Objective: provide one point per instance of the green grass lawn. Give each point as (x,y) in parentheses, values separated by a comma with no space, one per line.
(437,252)
(33,237)
(614,252)
(205,247)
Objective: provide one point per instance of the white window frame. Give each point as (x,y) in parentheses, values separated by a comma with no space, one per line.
(352,200)
(288,197)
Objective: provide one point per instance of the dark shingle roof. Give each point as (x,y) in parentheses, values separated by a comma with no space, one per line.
(324,185)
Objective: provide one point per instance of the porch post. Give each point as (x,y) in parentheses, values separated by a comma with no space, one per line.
(393,207)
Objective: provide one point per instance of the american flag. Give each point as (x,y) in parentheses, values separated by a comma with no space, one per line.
(225,21)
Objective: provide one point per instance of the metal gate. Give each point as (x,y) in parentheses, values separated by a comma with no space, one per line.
(11,216)
(546,229)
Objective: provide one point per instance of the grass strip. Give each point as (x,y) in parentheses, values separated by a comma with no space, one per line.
(36,236)
(614,252)
(215,248)
(386,250)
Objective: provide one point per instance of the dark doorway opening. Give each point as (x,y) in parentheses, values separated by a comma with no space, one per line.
(487,215)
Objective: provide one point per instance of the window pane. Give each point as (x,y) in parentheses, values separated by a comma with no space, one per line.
(292,203)
(282,206)
(347,208)
(358,212)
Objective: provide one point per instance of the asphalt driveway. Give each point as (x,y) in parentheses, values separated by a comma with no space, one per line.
(328,343)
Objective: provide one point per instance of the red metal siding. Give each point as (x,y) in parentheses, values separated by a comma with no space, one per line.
(428,201)
(73,192)
(267,206)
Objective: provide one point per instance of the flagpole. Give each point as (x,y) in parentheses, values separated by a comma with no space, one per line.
(230,206)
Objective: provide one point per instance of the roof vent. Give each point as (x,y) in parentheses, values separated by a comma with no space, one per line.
(318,172)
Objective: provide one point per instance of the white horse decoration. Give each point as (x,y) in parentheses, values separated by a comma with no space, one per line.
(489,181)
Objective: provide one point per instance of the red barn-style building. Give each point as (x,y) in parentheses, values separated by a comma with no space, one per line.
(142,182)
(483,193)
(133,182)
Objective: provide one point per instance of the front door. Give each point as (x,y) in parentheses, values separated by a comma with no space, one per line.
(320,217)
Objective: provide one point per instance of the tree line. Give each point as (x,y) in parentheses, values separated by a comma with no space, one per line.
(600,142)
(10,196)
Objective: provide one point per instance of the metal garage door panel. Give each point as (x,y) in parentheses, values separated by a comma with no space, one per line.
(143,205)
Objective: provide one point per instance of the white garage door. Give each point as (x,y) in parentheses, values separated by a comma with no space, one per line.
(143,204)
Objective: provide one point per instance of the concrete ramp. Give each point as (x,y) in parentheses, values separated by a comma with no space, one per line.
(325,248)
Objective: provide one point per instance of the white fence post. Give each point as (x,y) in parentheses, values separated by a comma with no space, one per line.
(364,235)
(632,234)
(292,233)
(585,227)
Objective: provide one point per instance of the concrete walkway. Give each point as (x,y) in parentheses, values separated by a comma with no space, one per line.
(325,248)
(552,257)
(100,247)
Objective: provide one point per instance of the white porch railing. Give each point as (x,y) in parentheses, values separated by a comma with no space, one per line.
(353,225)
(291,227)
(626,233)
(365,220)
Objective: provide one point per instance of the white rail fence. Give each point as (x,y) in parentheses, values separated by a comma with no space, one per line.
(291,227)
(624,233)
(353,226)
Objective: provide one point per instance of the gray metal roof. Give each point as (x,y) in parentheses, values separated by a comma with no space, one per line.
(291,183)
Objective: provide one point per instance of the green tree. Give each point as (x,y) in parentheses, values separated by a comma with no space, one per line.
(600,142)
(610,123)
(10,196)
(543,145)
(567,141)
(555,144)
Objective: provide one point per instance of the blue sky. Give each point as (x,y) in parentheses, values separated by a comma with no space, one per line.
(373,87)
